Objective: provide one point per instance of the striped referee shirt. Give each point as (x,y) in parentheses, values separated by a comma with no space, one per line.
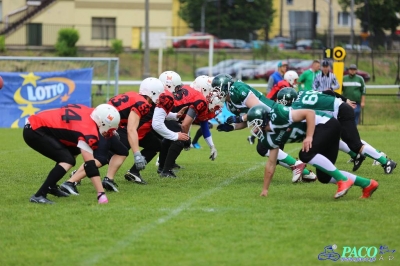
(324,82)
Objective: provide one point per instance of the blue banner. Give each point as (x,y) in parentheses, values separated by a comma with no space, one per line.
(25,94)
(222,116)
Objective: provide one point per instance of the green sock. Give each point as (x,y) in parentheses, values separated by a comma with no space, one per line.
(336,174)
(362,182)
(306,172)
(289,160)
(383,160)
(352,154)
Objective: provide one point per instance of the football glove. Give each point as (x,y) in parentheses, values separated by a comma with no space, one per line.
(140,161)
(213,153)
(186,144)
(225,127)
(234,119)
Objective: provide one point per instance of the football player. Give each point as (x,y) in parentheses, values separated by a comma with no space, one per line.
(320,134)
(62,134)
(289,80)
(345,114)
(239,97)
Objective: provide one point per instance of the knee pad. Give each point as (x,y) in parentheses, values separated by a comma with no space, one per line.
(91,169)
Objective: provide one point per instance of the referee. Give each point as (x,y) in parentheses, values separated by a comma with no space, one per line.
(325,80)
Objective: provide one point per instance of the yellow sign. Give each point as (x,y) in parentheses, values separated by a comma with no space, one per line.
(338,69)
(339,53)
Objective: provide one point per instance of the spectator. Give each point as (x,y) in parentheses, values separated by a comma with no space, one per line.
(307,78)
(325,80)
(354,90)
(277,75)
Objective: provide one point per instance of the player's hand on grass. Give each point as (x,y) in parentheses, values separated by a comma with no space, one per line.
(264,193)
(351,103)
(214,153)
(183,136)
(140,161)
(307,144)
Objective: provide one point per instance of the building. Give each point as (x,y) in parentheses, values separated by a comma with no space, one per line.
(98,21)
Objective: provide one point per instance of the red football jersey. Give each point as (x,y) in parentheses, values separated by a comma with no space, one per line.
(68,124)
(188,96)
(133,101)
(276,88)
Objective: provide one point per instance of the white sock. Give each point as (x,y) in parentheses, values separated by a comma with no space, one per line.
(370,152)
(282,155)
(364,142)
(284,165)
(343,147)
(349,175)
(323,162)
(333,181)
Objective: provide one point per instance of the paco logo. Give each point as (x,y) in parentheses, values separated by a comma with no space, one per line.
(356,254)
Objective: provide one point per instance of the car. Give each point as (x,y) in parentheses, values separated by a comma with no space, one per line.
(291,66)
(193,43)
(236,43)
(255,44)
(309,45)
(221,67)
(262,69)
(240,66)
(356,47)
(361,73)
(281,43)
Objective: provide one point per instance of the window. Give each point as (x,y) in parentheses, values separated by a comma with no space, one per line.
(318,20)
(103,28)
(289,2)
(343,18)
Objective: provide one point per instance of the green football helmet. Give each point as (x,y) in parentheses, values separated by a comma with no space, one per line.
(221,84)
(257,119)
(286,96)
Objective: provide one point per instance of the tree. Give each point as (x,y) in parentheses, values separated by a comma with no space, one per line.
(376,16)
(228,18)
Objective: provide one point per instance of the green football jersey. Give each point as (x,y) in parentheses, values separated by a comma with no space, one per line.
(284,130)
(315,100)
(238,93)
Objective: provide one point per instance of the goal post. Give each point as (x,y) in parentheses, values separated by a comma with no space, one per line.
(206,37)
(104,68)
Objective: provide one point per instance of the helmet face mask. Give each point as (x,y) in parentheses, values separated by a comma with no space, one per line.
(151,87)
(256,128)
(257,120)
(107,119)
(286,96)
(221,84)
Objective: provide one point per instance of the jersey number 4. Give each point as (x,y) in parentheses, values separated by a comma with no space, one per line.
(71,114)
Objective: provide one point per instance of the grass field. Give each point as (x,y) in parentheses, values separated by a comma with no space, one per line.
(211,215)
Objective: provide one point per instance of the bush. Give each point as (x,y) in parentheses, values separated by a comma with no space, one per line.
(117,47)
(2,43)
(66,42)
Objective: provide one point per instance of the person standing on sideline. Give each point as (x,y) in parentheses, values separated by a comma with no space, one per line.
(354,89)
(325,80)
(306,79)
(277,75)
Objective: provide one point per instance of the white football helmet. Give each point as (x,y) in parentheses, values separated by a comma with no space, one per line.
(171,80)
(151,87)
(107,119)
(203,84)
(291,77)
(214,102)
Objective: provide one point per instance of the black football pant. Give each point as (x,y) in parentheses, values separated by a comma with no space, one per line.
(53,149)
(170,149)
(325,142)
(151,144)
(348,125)
(107,148)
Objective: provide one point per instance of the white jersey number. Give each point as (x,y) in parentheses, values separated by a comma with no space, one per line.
(310,98)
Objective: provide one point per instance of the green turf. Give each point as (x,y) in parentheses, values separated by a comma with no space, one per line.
(211,215)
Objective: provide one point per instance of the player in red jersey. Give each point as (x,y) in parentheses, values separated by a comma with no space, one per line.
(289,81)
(136,111)
(197,104)
(61,134)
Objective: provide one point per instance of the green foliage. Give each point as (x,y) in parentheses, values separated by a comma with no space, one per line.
(2,43)
(211,215)
(225,20)
(66,42)
(117,47)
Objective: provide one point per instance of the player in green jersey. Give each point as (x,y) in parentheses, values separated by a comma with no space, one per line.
(320,134)
(352,144)
(239,97)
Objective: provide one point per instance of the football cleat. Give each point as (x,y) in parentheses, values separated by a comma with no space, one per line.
(250,140)
(135,177)
(168,173)
(40,199)
(343,187)
(358,161)
(71,174)
(351,160)
(55,191)
(389,166)
(297,171)
(309,178)
(69,187)
(176,167)
(157,161)
(196,145)
(367,191)
(109,184)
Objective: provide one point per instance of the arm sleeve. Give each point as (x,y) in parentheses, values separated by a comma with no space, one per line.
(204,129)
(335,84)
(172,116)
(270,83)
(337,95)
(159,126)
(84,146)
